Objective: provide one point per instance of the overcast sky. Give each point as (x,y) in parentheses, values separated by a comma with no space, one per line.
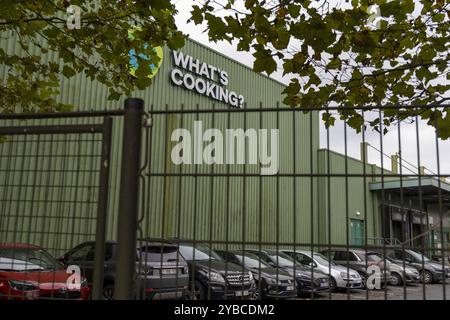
(427,138)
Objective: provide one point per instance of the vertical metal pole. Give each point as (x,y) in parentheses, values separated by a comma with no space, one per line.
(102,211)
(128,200)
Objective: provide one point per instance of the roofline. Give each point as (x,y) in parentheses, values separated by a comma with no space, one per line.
(353,158)
(407,183)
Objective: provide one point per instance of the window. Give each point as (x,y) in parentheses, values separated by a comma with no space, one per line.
(27,259)
(266,259)
(251,261)
(345,256)
(91,255)
(329,255)
(374,258)
(80,253)
(200,252)
(352,257)
(398,254)
(303,259)
(159,253)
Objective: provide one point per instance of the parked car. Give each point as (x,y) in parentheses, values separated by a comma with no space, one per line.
(430,271)
(357,260)
(340,277)
(399,275)
(161,272)
(270,282)
(308,281)
(12,289)
(211,277)
(28,269)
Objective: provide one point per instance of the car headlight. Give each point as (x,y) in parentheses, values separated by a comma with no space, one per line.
(345,275)
(22,285)
(250,276)
(214,276)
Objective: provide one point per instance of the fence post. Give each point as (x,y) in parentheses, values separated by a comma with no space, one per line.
(102,211)
(128,200)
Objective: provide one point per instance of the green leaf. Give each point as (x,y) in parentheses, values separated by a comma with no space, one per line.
(196,15)
(294,10)
(264,62)
(68,72)
(160,4)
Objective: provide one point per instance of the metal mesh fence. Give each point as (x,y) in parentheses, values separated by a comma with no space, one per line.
(50,186)
(328,223)
(252,203)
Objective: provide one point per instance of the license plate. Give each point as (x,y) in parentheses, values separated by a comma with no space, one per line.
(241,293)
(290,288)
(324,284)
(168,271)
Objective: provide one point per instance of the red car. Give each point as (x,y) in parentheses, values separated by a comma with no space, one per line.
(30,272)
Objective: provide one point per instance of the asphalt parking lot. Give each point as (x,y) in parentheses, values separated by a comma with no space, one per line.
(410,292)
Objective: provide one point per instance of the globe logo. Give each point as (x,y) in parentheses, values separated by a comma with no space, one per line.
(134,59)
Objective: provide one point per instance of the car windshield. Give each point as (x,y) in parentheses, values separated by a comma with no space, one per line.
(321,259)
(418,256)
(374,257)
(198,253)
(30,259)
(283,260)
(251,261)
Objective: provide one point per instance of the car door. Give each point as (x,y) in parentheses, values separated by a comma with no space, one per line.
(346,258)
(401,257)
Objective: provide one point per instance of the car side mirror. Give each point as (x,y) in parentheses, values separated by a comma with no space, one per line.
(312,265)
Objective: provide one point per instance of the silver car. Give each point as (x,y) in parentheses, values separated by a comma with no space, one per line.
(400,274)
(340,277)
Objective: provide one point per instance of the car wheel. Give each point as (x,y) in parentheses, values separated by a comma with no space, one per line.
(108,291)
(426,276)
(198,292)
(333,285)
(396,279)
(255,295)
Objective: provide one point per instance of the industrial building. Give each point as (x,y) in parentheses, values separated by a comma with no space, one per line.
(318,196)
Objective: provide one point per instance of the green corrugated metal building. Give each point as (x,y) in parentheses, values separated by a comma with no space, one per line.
(305,209)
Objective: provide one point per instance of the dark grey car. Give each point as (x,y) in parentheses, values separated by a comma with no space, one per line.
(211,277)
(271,283)
(161,272)
(307,280)
(430,271)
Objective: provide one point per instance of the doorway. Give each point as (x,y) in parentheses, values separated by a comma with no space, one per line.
(397,230)
(356,232)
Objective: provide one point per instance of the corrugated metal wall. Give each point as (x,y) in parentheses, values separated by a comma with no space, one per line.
(203,207)
(339,195)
